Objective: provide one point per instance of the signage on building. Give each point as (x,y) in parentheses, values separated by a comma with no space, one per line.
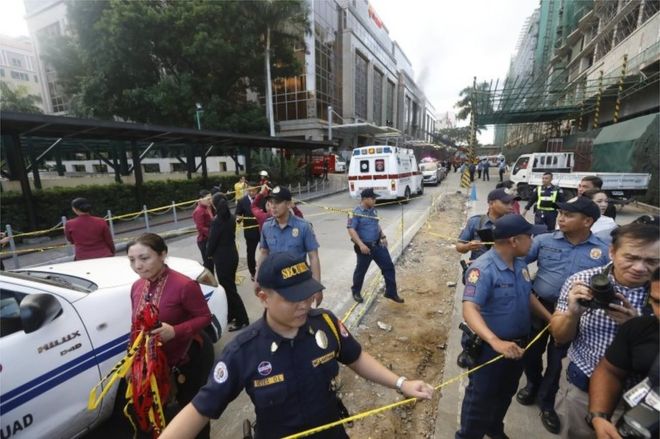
(374,17)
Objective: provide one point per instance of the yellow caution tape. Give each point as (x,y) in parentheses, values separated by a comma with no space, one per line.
(381,409)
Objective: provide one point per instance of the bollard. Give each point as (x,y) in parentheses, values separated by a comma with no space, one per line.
(12,246)
(308,188)
(323,186)
(176,220)
(111,225)
(316,186)
(146,217)
(69,246)
(299,189)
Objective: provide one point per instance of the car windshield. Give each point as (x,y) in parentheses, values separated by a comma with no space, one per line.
(62,280)
(428,166)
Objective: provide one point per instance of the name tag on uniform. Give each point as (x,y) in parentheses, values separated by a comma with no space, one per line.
(323,359)
(504,285)
(279,378)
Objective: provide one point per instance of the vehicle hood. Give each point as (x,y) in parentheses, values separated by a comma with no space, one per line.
(114,271)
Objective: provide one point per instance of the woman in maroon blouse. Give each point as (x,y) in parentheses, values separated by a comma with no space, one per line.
(181,315)
(90,235)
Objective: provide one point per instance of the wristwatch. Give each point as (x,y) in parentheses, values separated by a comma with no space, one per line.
(590,417)
(399,383)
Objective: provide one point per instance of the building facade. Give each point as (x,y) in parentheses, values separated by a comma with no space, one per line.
(47,19)
(19,68)
(357,85)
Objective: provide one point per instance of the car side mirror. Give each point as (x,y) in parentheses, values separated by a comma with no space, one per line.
(37,310)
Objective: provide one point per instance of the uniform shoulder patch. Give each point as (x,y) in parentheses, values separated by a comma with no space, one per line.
(220,372)
(473,276)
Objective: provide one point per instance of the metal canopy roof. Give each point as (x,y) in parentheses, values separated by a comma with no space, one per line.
(39,125)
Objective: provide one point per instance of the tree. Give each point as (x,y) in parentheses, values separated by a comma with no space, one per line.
(482,100)
(18,99)
(152,60)
(453,136)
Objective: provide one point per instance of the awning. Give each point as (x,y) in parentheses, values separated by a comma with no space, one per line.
(364,128)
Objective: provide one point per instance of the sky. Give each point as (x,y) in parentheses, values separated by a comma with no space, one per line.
(447,41)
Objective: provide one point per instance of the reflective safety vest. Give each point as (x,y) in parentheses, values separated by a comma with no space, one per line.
(545,202)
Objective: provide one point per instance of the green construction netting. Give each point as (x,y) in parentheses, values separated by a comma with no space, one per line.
(619,147)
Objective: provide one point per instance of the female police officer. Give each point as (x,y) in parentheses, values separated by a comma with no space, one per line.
(286,361)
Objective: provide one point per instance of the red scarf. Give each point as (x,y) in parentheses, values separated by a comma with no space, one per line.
(150,361)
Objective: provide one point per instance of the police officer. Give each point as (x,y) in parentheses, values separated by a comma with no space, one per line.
(558,255)
(370,244)
(497,301)
(500,203)
(543,200)
(287,362)
(286,232)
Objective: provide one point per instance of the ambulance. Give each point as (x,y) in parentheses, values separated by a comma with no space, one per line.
(391,171)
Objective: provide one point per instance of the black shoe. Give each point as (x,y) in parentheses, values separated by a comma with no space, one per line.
(526,395)
(396,299)
(464,361)
(498,436)
(358,298)
(234,326)
(550,421)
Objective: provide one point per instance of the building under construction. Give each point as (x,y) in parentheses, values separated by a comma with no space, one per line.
(581,69)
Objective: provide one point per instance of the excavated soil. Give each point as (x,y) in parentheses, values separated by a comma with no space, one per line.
(415,345)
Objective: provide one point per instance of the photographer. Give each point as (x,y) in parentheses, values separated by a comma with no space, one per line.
(632,352)
(558,255)
(590,321)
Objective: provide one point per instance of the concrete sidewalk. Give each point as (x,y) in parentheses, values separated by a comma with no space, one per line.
(520,421)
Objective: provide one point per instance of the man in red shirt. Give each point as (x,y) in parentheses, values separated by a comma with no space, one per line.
(90,235)
(202,216)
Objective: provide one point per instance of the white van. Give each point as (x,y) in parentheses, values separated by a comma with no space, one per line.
(391,171)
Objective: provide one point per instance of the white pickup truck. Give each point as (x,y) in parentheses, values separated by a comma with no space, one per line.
(528,170)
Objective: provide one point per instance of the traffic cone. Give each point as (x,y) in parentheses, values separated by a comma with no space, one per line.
(473,192)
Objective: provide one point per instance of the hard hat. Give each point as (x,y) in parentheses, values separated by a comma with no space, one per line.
(263,173)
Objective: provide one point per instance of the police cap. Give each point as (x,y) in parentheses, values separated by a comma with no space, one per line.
(581,205)
(280,193)
(369,193)
(289,276)
(512,225)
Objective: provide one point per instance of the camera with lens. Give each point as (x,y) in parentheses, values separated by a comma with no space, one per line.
(472,344)
(602,291)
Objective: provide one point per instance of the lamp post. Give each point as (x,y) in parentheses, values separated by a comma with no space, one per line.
(198,112)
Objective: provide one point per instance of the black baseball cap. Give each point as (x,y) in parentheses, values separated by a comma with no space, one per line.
(280,193)
(501,194)
(289,276)
(511,225)
(369,193)
(582,205)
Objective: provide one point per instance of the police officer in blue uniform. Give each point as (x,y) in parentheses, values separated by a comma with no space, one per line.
(544,200)
(497,301)
(370,244)
(558,255)
(287,362)
(285,232)
(500,203)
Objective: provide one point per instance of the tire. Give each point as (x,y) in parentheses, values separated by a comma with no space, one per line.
(406,194)
(421,189)
(524,191)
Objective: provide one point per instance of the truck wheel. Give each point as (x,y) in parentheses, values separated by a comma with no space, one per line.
(524,191)
(421,189)
(406,194)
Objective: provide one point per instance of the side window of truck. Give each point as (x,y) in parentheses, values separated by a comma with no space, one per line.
(10,314)
(364,166)
(380,165)
(520,164)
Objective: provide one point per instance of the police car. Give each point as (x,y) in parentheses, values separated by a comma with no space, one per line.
(62,328)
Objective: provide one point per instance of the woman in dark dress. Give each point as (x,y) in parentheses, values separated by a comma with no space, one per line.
(221,246)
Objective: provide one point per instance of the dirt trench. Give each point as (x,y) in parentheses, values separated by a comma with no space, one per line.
(415,345)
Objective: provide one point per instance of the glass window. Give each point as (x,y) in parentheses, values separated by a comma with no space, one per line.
(378,98)
(364,166)
(79,168)
(520,164)
(10,313)
(360,86)
(223,166)
(389,110)
(100,169)
(151,168)
(380,165)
